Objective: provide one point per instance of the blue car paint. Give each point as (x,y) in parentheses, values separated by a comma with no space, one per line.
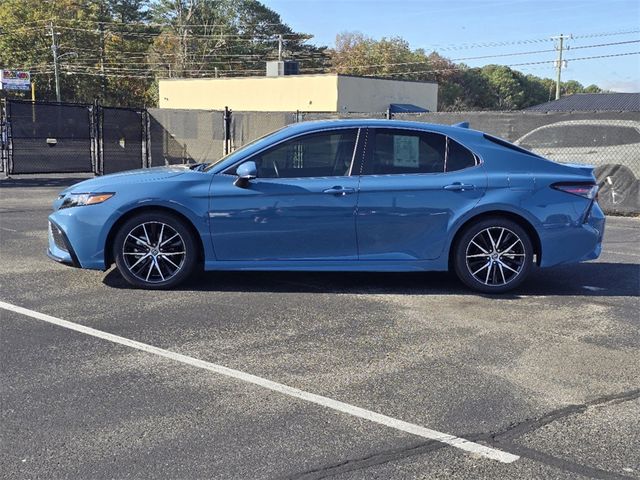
(278,220)
(387,223)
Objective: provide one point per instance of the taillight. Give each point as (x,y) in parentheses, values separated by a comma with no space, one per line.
(586,190)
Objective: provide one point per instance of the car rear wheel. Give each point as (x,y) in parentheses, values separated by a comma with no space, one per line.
(493,255)
(155,250)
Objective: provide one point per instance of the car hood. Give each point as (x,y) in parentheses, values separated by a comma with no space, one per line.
(104,183)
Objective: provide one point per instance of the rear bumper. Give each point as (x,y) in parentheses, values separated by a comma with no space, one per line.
(572,243)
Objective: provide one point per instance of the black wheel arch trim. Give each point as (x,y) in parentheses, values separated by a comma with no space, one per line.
(521,220)
(108,250)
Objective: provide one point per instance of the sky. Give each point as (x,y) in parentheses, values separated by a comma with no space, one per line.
(461,29)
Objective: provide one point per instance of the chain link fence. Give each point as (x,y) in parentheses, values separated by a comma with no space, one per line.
(122,139)
(48,138)
(185,136)
(45,138)
(612,146)
(246,127)
(55,138)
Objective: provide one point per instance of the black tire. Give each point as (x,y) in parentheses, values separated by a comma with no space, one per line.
(147,250)
(514,253)
(616,184)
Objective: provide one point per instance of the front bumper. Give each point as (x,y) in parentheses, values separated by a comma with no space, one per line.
(60,248)
(77,236)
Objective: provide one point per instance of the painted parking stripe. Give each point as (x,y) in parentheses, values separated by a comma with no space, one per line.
(630,254)
(427,433)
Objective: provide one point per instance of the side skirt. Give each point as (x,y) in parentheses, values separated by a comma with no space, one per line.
(331,266)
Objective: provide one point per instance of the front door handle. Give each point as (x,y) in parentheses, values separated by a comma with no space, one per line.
(459,187)
(338,190)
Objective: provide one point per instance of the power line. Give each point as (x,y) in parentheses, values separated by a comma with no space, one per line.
(510,65)
(236,36)
(466,46)
(151,75)
(603,44)
(605,34)
(143,57)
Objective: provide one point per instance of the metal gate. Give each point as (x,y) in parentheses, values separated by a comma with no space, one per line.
(121,139)
(47,137)
(4,136)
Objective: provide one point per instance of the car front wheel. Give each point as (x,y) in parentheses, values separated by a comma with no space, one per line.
(155,250)
(493,255)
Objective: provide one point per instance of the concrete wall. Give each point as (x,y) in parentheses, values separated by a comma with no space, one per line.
(357,94)
(310,93)
(260,94)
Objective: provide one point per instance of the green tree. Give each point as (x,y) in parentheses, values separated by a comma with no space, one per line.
(570,87)
(95,58)
(230,37)
(492,87)
(592,89)
(25,43)
(506,87)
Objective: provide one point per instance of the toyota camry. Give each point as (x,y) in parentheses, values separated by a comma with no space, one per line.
(338,195)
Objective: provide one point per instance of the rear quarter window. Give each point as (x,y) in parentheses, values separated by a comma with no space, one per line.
(458,157)
(510,146)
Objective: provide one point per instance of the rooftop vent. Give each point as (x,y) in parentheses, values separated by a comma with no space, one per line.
(279,68)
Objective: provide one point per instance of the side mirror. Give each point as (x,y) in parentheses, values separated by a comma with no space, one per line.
(246,171)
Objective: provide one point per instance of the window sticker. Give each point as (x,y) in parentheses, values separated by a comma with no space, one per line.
(406,151)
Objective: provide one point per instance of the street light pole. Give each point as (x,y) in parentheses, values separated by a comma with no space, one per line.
(54,50)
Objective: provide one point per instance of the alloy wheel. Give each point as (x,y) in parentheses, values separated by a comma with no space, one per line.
(154,252)
(495,256)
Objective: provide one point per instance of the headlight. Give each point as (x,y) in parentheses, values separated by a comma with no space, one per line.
(79,199)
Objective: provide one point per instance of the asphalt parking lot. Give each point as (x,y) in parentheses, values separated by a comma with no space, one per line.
(548,375)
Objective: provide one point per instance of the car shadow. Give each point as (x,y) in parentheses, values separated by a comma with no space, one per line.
(585,279)
(24,182)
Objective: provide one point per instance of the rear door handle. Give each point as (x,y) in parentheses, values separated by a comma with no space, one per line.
(337,190)
(459,187)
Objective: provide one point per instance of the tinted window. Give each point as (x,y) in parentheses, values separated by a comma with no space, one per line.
(503,143)
(402,151)
(325,154)
(458,157)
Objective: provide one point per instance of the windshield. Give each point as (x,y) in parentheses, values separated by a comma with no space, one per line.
(240,150)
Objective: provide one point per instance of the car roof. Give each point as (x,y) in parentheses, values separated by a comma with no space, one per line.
(313,125)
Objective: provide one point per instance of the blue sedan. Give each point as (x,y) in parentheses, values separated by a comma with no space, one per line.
(340,195)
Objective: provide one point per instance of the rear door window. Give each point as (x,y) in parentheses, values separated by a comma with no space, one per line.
(397,151)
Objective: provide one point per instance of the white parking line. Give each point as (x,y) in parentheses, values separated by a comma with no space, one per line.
(427,433)
(622,253)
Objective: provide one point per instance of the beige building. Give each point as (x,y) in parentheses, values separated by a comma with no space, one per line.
(289,93)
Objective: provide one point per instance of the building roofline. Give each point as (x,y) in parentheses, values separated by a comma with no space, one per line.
(385,78)
(307,75)
(591,102)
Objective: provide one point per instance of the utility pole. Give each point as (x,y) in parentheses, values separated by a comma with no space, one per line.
(560,48)
(54,50)
(279,47)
